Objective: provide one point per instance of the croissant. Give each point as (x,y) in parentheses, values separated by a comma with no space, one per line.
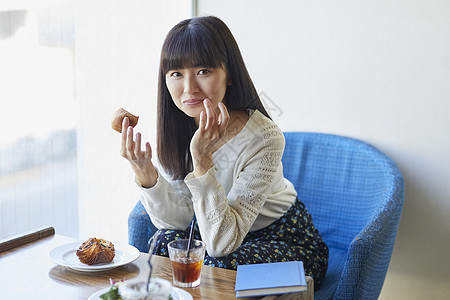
(95,251)
(119,115)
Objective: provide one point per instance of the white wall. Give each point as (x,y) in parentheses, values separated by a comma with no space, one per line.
(374,70)
(117,57)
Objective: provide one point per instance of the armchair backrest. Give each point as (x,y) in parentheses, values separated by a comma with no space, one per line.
(349,187)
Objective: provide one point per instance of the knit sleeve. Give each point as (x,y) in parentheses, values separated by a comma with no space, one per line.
(168,203)
(224,220)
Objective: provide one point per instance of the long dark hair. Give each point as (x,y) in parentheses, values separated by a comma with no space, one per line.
(198,42)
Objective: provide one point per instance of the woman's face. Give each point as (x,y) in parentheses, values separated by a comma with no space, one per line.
(189,87)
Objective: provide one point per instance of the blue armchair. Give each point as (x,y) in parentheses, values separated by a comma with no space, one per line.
(355,195)
(140,228)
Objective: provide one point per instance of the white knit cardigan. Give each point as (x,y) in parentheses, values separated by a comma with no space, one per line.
(244,191)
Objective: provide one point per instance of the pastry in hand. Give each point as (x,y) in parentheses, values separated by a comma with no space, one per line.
(95,251)
(118,117)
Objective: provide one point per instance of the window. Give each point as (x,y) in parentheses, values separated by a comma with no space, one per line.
(38,125)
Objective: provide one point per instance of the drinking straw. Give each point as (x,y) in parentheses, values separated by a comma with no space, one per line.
(190,237)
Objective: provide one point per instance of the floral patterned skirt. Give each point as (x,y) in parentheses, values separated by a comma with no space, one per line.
(291,237)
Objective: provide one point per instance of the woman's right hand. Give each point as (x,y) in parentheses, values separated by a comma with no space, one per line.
(141,161)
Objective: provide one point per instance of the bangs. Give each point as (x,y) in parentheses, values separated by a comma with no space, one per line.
(191,47)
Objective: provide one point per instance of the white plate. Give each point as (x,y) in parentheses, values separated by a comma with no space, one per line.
(65,255)
(176,293)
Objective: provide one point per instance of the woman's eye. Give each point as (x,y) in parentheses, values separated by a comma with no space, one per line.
(203,72)
(175,74)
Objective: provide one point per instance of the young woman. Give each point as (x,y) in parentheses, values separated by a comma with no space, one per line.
(219,159)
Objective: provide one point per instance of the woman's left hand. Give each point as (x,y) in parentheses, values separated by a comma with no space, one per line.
(212,128)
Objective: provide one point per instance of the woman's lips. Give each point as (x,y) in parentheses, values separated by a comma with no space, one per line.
(193,102)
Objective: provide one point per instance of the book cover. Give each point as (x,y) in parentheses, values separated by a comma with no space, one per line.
(270,279)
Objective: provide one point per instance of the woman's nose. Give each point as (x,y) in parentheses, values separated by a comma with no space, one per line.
(190,85)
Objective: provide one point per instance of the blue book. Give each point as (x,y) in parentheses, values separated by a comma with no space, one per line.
(270,279)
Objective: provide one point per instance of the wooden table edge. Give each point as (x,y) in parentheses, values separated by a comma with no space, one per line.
(25,238)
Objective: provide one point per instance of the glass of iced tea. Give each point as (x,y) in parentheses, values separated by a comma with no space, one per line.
(186,269)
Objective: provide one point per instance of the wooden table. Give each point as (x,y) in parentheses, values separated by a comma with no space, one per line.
(26,272)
